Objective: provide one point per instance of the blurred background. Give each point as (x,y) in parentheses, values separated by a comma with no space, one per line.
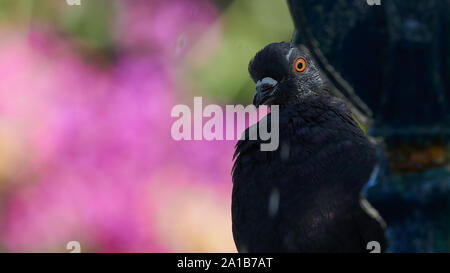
(85,99)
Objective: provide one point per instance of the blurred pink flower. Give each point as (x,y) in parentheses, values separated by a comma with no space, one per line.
(93,141)
(167,28)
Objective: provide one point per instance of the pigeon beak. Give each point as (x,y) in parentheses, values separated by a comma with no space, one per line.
(264,90)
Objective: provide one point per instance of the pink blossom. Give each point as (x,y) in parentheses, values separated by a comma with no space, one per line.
(96,162)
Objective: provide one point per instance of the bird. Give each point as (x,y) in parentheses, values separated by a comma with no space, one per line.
(304,196)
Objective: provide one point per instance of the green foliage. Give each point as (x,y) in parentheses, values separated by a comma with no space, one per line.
(247,27)
(90,23)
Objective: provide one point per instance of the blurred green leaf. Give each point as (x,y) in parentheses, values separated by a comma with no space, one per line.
(91,23)
(247,27)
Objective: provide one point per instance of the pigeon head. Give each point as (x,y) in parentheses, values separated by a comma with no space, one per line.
(284,73)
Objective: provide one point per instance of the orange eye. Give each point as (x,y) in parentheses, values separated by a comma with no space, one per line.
(300,65)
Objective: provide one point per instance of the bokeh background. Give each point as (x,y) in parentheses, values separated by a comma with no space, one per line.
(85,99)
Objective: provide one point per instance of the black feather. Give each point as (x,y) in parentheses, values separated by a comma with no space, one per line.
(316,175)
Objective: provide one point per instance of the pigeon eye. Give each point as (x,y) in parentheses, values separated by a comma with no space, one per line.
(300,65)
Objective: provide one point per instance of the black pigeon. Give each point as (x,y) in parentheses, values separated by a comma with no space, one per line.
(304,196)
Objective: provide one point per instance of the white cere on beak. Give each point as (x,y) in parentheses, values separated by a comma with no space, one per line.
(274,202)
(266,81)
